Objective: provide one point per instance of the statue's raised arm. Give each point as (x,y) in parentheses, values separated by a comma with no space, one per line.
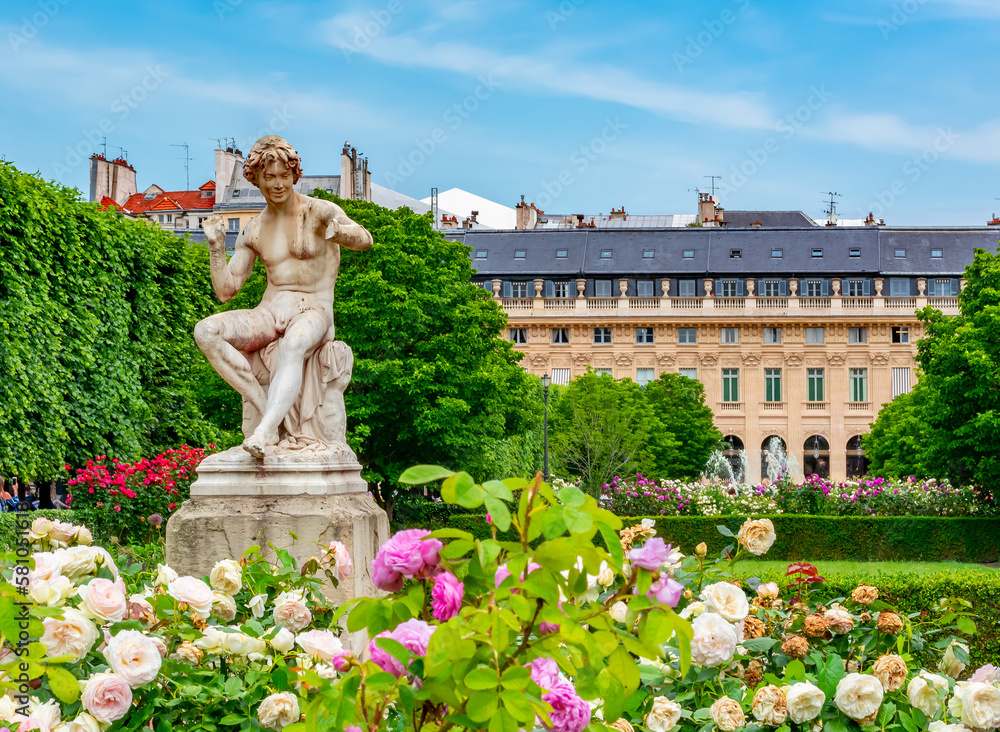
(227,278)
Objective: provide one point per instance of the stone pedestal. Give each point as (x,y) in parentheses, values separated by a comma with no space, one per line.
(238,501)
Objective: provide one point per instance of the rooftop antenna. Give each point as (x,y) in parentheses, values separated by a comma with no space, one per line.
(831,209)
(713,177)
(434,207)
(187,165)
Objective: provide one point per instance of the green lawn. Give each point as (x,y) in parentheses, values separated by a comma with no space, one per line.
(844,568)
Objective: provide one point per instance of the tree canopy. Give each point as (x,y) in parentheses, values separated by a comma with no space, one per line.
(679,404)
(947,425)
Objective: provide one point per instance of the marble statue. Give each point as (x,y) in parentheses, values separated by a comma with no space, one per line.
(281,356)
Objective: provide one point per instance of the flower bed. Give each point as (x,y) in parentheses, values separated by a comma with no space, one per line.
(868,497)
(550,630)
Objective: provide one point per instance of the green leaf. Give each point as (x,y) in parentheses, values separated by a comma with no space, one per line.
(725,531)
(572,496)
(960,653)
(467,493)
(613,545)
(578,522)
(759,645)
(496,489)
(614,699)
(481,678)
(502,721)
(421,474)
(837,724)
(795,671)
(450,534)
(885,714)
(64,684)
(482,705)
(622,667)
(8,618)
(233,686)
(907,721)
(516,677)
(498,512)
(828,675)
(457,548)
(517,704)
(966,625)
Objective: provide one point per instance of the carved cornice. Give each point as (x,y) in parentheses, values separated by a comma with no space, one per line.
(581,359)
(836,359)
(793,359)
(751,359)
(709,359)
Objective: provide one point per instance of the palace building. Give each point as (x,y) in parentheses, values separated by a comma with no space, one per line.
(797,331)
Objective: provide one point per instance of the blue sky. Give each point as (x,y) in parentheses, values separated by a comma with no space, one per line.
(578,105)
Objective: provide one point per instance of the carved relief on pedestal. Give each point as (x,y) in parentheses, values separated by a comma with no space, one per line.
(901,361)
(836,359)
(538,359)
(751,359)
(623,359)
(709,359)
(879,359)
(666,361)
(580,359)
(793,359)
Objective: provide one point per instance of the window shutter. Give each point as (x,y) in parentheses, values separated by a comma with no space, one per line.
(954,286)
(867,288)
(550,288)
(739,288)
(716,287)
(783,288)
(508,290)
(761,288)
(825,288)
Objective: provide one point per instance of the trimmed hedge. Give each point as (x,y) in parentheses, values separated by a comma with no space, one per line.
(423,514)
(9,535)
(858,538)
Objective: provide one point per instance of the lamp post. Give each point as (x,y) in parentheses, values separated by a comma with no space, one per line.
(546,381)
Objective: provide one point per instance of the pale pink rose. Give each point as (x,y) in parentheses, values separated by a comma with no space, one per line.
(714,641)
(413,634)
(74,634)
(47,567)
(161,647)
(987,674)
(338,559)
(406,555)
(446,596)
(103,600)
(291,611)
(62,531)
(134,657)
(768,590)
(320,643)
(194,592)
(278,710)
(107,697)
(665,591)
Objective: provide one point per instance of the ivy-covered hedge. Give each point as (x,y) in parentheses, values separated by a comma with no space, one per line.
(912,593)
(9,534)
(859,538)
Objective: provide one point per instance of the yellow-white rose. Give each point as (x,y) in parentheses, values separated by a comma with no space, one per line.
(40,529)
(239,644)
(83,722)
(977,704)
(291,611)
(619,612)
(189,652)
(768,590)
(949,664)
(223,606)
(51,592)
(727,714)
(74,635)
(164,575)
(606,576)
(945,727)
(79,561)
(7,708)
(83,536)
(859,696)
(714,642)
(693,610)
(210,641)
(257,605)
(769,706)
(226,576)
(756,536)
(805,701)
(278,710)
(922,692)
(727,600)
(134,657)
(664,715)
(320,643)
(283,641)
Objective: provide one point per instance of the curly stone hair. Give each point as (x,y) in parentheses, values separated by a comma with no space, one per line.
(270,149)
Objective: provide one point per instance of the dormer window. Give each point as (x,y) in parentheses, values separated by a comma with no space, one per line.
(647,253)
(689,254)
(236,193)
(562,253)
(481,253)
(735,253)
(776,254)
(520,253)
(605,254)
(817,253)
(936,254)
(207,194)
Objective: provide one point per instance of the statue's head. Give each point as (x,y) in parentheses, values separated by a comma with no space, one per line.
(270,150)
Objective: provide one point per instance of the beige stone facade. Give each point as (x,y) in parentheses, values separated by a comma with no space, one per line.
(853,372)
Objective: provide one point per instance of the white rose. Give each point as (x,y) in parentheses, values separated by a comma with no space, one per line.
(239,644)
(727,600)
(164,575)
(278,710)
(606,576)
(756,536)
(693,610)
(257,605)
(83,536)
(859,696)
(727,714)
(940,726)
(223,606)
(769,706)
(194,592)
(977,704)
(102,600)
(51,592)
(804,701)
(47,715)
(188,652)
(320,643)
(619,612)
(210,640)
(291,611)
(841,621)
(40,529)
(227,577)
(74,635)
(922,692)
(7,709)
(77,561)
(134,657)
(714,642)
(283,641)
(664,715)
(83,722)
(47,567)
(949,664)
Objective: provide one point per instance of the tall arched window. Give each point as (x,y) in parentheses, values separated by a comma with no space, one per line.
(816,457)
(857,463)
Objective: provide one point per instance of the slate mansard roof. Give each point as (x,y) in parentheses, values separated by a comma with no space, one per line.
(713,250)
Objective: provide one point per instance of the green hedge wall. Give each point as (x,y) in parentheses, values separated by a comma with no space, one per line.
(859,538)
(9,535)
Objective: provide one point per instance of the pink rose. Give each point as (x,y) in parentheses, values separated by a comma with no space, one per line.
(339,560)
(446,596)
(103,600)
(320,643)
(414,635)
(193,591)
(107,697)
(405,556)
(546,628)
(341,660)
(652,555)
(545,672)
(291,611)
(986,674)
(569,712)
(666,591)
(503,573)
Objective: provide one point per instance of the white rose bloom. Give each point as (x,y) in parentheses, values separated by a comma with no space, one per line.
(210,640)
(194,592)
(62,531)
(606,577)
(756,536)
(77,561)
(239,644)
(223,606)
(75,634)
(922,692)
(648,523)
(949,664)
(693,610)
(134,657)
(47,715)
(40,529)
(727,714)
(664,715)
(53,592)
(257,605)
(714,642)
(227,577)
(47,567)
(944,727)
(804,701)
(769,706)
(7,709)
(859,696)
(977,704)
(320,643)
(291,611)
(619,612)
(164,575)
(283,641)
(83,536)
(278,710)
(83,722)
(102,599)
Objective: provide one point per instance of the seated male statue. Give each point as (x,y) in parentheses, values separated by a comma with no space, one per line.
(298,239)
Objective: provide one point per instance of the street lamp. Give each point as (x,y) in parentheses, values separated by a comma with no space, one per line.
(546,381)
